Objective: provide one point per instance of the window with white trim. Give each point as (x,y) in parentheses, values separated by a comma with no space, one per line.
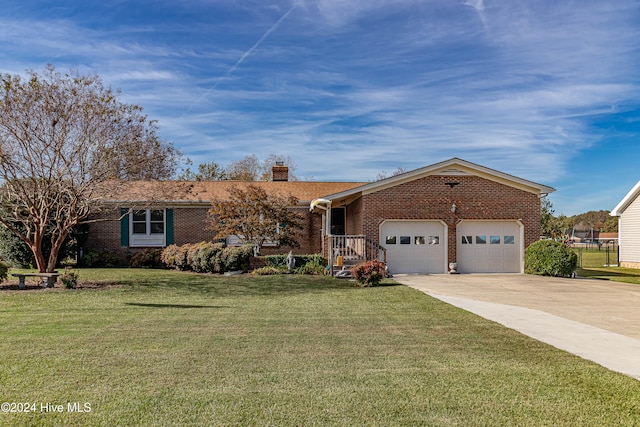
(148,228)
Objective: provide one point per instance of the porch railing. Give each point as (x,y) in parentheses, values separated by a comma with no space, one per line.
(354,249)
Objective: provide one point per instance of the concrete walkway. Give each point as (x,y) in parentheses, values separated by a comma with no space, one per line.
(594,319)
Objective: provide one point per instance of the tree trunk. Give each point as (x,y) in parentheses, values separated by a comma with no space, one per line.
(41,264)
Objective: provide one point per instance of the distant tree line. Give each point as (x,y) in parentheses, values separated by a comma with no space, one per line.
(562,225)
(249,168)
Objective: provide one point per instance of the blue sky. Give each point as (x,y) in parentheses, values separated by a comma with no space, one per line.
(547,90)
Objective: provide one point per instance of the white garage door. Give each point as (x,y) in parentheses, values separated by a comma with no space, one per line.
(489,247)
(414,246)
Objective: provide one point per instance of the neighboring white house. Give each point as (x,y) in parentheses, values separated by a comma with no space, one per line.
(628,213)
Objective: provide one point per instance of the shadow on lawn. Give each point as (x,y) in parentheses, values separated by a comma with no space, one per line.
(137,304)
(609,274)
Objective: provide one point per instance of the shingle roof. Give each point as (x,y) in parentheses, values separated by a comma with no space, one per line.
(196,192)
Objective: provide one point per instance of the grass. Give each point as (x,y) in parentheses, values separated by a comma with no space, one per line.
(617,274)
(595,258)
(170,348)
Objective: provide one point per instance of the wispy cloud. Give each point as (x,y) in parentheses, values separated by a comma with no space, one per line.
(349,88)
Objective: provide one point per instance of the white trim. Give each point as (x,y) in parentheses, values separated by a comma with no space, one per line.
(155,240)
(626,201)
(454,166)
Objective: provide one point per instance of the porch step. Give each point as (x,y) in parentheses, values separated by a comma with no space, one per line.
(344,271)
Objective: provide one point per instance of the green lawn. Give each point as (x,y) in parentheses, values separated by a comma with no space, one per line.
(617,274)
(596,258)
(171,348)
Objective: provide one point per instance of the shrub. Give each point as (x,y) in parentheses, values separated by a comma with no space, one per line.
(207,257)
(148,257)
(236,258)
(181,257)
(301,260)
(204,257)
(550,258)
(14,250)
(100,259)
(268,271)
(312,268)
(4,270)
(69,279)
(168,255)
(369,273)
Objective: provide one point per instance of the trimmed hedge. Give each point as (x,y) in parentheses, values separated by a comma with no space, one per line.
(207,257)
(550,258)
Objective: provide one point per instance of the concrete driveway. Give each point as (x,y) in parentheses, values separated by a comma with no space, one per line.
(594,319)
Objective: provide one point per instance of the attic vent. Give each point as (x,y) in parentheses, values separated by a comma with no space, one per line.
(452,171)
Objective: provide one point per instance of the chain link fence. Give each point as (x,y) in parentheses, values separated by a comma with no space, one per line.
(592,255)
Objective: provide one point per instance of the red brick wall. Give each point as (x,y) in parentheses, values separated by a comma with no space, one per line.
(354,218)
(192,225)
(105,235)
(431,198)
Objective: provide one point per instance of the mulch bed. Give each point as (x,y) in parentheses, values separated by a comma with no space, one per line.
(12,285)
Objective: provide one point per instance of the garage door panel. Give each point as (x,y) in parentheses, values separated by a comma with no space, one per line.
(414,246)
(488,247)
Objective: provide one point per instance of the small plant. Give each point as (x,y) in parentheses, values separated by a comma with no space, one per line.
(550,258)
(69,279)
(312,268)
(268,271)
(369,273)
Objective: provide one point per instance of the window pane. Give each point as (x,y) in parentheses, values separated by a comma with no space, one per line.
(467,240)
(419,240)
(140,216)
(139,228)
(494,240)
(157,228)
(157,215)
(390,240)
(434,240)
(481,240)
(509,240)
(405,240)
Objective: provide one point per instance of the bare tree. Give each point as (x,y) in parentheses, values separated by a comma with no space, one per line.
(208,171)
(384,175)
(66,142)
(256,217)
(247,169)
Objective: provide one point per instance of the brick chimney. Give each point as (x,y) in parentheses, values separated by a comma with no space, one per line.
(280,172)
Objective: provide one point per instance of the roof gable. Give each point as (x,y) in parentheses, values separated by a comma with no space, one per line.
(451,167)
(626,201)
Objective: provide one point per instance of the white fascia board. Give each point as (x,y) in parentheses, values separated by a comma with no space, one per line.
(626,201)
(454,166)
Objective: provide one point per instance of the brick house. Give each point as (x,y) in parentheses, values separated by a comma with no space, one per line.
(418,222)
